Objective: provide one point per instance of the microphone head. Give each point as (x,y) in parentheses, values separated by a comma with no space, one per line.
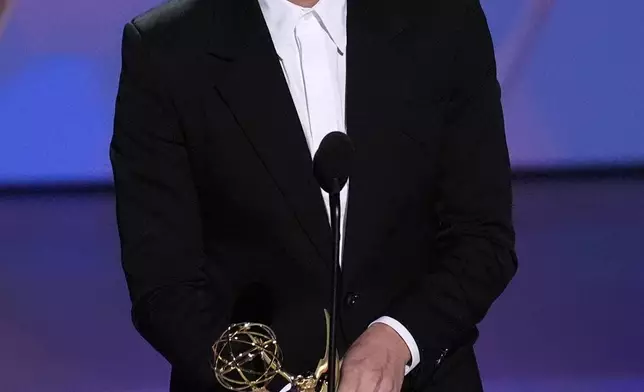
(333,162)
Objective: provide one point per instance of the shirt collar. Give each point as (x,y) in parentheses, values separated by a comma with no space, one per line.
(282,16)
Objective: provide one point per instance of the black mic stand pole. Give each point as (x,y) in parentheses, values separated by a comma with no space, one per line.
(334,203)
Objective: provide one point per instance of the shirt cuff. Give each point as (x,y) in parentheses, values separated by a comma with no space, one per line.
(406,336)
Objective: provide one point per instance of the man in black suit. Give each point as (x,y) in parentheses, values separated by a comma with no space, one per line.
(221,104)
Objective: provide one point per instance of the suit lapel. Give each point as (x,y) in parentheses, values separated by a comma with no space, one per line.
(248,77)
(374,94)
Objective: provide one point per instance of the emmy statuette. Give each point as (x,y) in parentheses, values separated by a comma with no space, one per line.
(247,358)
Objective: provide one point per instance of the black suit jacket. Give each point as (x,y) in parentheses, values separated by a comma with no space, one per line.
(220,217)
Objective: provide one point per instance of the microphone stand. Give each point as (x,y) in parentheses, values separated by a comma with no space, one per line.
(334,203)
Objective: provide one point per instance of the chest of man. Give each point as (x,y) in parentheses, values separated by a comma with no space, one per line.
(249,153)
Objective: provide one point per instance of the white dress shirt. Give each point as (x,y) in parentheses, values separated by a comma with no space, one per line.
(311,44)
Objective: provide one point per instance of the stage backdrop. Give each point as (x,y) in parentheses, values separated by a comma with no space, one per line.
(572,73)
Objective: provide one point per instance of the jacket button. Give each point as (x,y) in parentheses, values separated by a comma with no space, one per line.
(352,299)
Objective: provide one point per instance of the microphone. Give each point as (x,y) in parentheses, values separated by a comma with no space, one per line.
(333,162)
(332,166)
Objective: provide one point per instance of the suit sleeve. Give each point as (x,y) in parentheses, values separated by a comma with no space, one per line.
(179,307)
(476,239)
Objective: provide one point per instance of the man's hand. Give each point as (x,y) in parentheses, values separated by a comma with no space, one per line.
(375,362)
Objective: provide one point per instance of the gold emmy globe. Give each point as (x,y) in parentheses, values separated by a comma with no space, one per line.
(247,358)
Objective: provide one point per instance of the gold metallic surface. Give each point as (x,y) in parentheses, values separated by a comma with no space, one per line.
(247,358)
